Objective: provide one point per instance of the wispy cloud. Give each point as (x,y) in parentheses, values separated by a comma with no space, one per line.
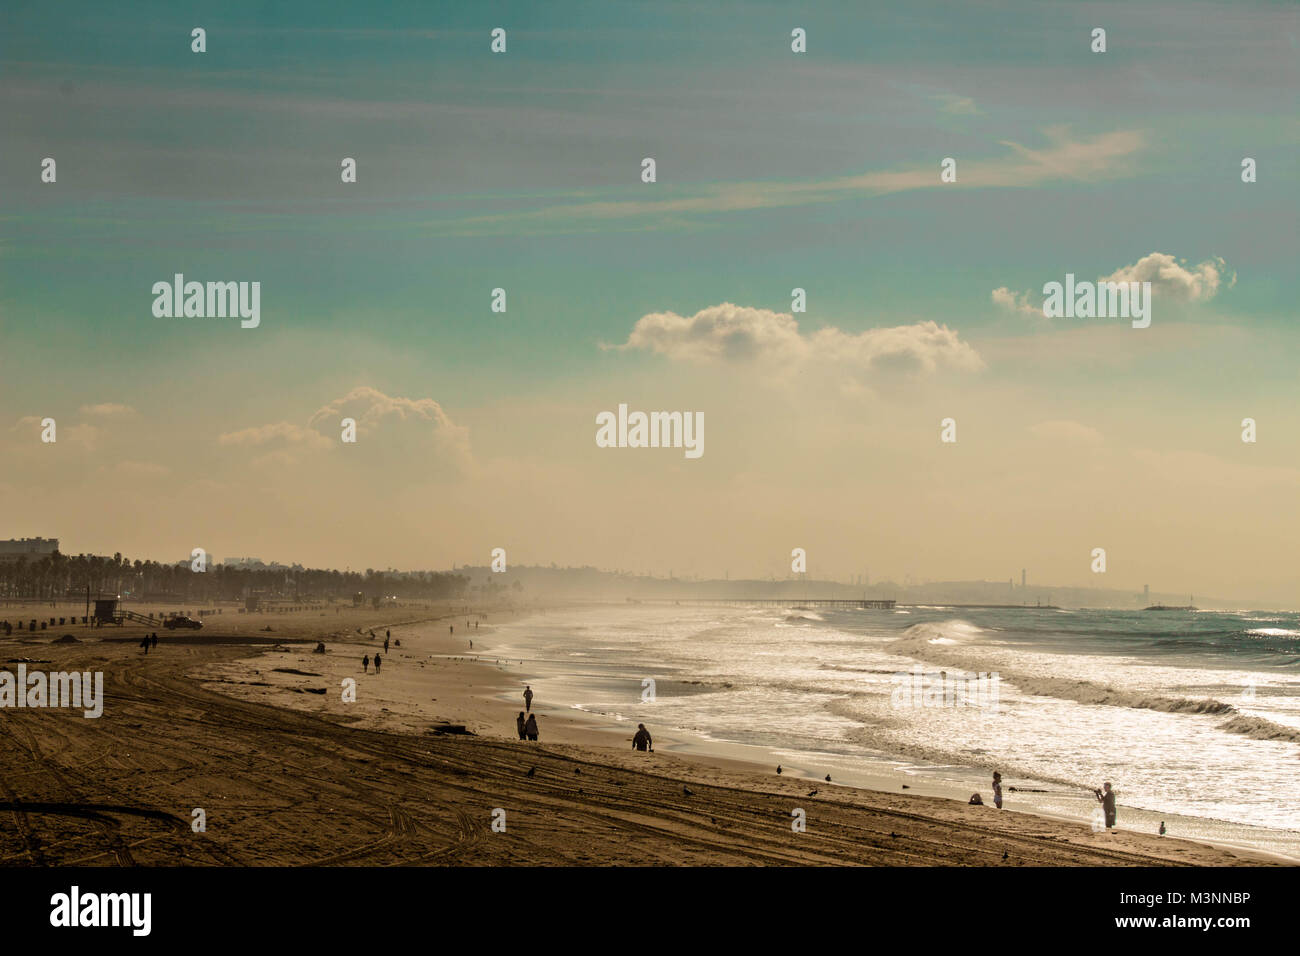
(1104,156)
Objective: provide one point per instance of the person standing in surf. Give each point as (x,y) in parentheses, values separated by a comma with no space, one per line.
(1107,799)
(997,789)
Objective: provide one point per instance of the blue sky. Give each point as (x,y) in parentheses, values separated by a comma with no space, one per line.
(521,170)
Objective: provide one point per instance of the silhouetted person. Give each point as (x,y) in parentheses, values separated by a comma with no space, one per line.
(145,644)
(387,635)
(530,728)
(365,663)
(385,645)
(154,640)
(1163,830)
(642,739)
(377,662)
(519,725)
(451,628)
(1107,799)
(528,698)
(997,789)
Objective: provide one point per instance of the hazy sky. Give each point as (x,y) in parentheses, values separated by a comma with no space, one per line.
(775,170)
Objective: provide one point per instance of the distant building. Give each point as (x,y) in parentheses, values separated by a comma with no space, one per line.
(31,548)
(1022,577)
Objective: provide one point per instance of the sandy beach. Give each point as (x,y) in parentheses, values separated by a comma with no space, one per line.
(249,725)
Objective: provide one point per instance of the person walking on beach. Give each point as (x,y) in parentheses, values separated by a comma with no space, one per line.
(145,645)
(530,728)
(997,789)
(519,725)
(1107,799)
(385,645)
(528,698)
(365,663)
(154,639)
(642,739)
(376,662)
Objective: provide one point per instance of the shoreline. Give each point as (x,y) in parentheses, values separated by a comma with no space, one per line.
(289,774)
(490,694)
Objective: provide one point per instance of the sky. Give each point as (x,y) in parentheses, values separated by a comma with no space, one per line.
(774,170)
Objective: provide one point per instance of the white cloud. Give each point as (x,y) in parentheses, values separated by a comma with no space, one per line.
(282,434)
(1015,301)
(729,333)
(392,432)
(1168,278)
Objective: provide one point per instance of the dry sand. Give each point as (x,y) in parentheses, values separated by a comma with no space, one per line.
(218,720)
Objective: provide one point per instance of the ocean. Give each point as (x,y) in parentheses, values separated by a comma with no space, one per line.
(1194,717)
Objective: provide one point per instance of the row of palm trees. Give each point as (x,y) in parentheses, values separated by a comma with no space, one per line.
(56,577)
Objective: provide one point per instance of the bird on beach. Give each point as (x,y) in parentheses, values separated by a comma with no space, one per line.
(1004,854)
(813,793)
(778,768)
(828,778)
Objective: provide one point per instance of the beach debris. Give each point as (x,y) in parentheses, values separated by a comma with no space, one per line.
(813,793)
(293,670)
(531,772)
(320,648)
(906,787)
(828,778)
(576,770)
(67,639)
(893,834)
(1004,854)
(456,729)
(688,791)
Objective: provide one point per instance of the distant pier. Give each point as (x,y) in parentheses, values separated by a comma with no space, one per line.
(784,602)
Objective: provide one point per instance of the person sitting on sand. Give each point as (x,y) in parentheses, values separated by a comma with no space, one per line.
(997,789)
(530,728)
(365,663)
(1107,800)
(519,725)
(976,800)
(642,739)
